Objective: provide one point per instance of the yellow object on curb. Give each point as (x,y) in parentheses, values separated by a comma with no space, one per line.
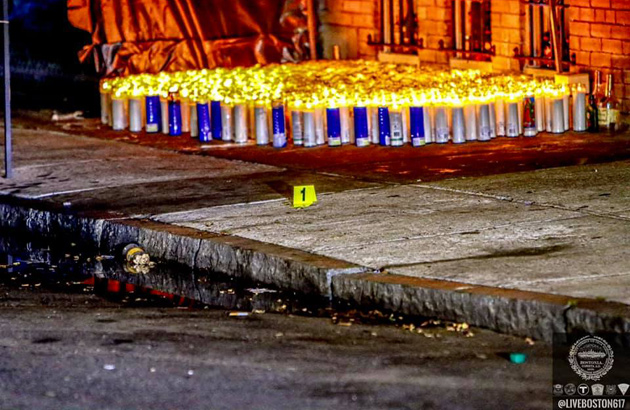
(304,196)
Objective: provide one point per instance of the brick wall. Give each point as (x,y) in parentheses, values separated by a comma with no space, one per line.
(347,23)
(508,32)
(600,38)
(434,24)
(599,33)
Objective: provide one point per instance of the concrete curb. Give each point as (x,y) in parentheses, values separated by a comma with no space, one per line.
(536,315)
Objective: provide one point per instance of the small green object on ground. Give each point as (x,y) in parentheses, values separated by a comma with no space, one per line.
(518,358)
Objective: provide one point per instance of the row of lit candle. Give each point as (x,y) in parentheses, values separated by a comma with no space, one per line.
(339,102)
(336,126)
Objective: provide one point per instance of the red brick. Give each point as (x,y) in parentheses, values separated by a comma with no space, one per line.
(582,57)
(590,44)
(612,46)
(621,33)
(580,3)
(620,61)
(601,59)
(600,30)
(587,14)
(623,17)
(580,28)
(604,4)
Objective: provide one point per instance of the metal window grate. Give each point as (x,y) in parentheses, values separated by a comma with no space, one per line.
(472,29)
(541,44)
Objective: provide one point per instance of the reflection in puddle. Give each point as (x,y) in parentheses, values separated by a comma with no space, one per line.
(70,269)
(66,268)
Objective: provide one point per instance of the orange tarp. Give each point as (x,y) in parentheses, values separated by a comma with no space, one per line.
(149,36)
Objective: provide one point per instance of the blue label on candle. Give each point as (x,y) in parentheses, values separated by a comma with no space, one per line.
(277,119)
(334,127)
(154,113)
(203,121)
(361,131)
(174,118)
(384,135)
(215,120)
(416,126)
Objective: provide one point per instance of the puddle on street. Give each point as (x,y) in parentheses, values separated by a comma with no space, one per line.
(68,268)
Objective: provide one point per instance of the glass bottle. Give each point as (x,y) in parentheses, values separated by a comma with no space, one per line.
(592,121)
(601,99)
(612,106)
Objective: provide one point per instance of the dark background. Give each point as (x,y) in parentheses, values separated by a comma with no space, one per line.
(45,69)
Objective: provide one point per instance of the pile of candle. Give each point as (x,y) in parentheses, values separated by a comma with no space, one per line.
(341,102)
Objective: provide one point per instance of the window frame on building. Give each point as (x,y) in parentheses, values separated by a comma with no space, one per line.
(472,29)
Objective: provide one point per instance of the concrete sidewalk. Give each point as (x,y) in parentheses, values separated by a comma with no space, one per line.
(527,253)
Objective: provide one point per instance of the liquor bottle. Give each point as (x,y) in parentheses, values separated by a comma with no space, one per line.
(592,121)
(612,106)
(601,99)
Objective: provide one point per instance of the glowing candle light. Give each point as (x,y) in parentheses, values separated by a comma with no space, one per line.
(557,119)
(227,123)
(459,132)
(442,132)
(135,115)
(279,126)
(396,127)
(361,131)
(105,104)
(296,128)
(499,106)
(374,125)
(470,116)
(384,127)
(203,121)
(566,101)
(153,111)
(416,126)
(164,115)
(194,120)
(513,127)
(174,116)
(529,117)
(185,110)
(216,120)
(548,113)
(240,124)
(333,122)
(320,135)
(262,125)
(344,121)
(540,112)
(119,114)
(428,122)
(310,138)
(485,129)
(579,111)
(493,120)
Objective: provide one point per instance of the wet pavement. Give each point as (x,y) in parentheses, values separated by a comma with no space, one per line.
(80,330)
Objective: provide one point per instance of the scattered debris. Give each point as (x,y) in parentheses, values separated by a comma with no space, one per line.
(239,314)
(134,254)
(77,115)
(258,291)
(530,341)
(518,358)
(109,367)
(191,372)
(152,370)
(279,334)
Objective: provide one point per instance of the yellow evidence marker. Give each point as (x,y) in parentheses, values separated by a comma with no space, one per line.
(304,196)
